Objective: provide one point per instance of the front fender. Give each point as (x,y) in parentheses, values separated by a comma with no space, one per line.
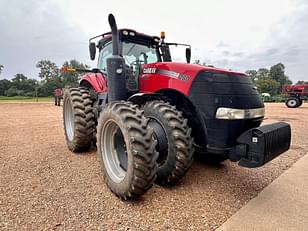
(142,98)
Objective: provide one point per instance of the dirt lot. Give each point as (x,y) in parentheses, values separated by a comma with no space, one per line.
(44,186)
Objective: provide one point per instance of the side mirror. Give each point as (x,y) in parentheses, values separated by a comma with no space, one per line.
(92,49)
(188,54)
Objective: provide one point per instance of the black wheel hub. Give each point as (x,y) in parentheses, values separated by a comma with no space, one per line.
(162,140)
(119,144)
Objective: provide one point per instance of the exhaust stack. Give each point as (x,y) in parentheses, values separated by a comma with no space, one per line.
(116,78)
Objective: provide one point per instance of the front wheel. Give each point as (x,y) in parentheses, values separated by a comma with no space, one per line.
(126,150)
(174,140)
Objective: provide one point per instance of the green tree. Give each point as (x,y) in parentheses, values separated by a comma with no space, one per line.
(42,91)
(19,80)
(72,78)
(22,85)
(277,73)
(4,86)
(12,91)
(1,68)
(48,70)
(48,88)
(267,86)
(252,74)
(52,78)
(263,73)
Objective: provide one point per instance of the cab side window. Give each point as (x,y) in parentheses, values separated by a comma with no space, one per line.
(105,53)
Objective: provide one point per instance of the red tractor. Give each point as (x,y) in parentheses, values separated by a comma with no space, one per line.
(296,94)
(148,115)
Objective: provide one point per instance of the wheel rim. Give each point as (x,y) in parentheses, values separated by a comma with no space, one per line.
(292,103)
(162,141)
(69,119)
(113,151)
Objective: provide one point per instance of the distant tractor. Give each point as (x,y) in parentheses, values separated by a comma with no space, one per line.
(58,95)
(147,114)
(296,94)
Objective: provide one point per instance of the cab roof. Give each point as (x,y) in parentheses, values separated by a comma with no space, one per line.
(130,35)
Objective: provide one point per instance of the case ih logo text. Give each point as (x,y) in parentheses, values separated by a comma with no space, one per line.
(149,70)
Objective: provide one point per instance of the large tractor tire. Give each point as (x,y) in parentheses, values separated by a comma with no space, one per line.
(78,118)
(293,102)
(174,142)
(126,150)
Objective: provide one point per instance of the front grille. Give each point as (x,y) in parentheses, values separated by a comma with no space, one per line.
(211,90)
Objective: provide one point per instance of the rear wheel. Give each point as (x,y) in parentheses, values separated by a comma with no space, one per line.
(78,118)
(126,150)
(174,142)
(293,102)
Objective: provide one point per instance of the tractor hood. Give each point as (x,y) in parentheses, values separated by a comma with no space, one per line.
(177,76)
(192,68)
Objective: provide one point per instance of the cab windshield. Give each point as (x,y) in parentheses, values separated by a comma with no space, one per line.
(134,54)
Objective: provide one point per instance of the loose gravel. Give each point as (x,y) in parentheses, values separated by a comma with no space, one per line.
(43,186)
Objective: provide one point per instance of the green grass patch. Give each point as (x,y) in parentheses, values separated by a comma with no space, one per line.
(13,99)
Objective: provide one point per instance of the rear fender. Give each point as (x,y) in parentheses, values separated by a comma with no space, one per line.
(95,81)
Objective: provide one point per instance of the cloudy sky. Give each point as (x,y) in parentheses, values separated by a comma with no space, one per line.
(238,34)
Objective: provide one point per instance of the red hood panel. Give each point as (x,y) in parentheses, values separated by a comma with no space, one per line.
(186,68)
(176,76)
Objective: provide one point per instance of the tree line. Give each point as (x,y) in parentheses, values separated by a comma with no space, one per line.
(50,79)
(270,80)
(267,80)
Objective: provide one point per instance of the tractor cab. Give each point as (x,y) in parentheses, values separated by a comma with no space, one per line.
(136,49)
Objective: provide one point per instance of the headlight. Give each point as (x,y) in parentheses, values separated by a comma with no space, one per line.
(235,114)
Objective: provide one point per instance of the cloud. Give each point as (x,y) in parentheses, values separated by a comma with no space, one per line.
(286,41)
(271,52)
(222,45)
(235,34)
(233,54)
(34,30)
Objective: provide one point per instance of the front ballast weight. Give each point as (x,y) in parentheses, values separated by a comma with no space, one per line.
(258,146)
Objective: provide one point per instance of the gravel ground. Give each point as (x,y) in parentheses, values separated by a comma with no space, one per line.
(45,187)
